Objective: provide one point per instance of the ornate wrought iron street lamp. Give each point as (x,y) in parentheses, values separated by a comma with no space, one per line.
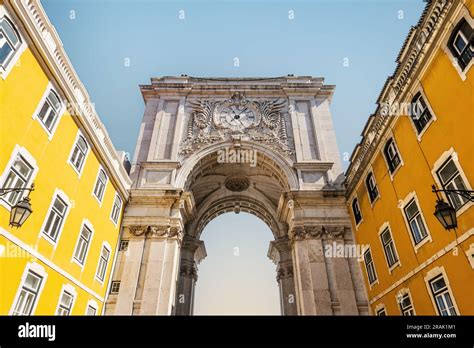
(21,210)
(444,212)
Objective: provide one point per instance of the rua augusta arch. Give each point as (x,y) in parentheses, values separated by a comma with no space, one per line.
(208,146)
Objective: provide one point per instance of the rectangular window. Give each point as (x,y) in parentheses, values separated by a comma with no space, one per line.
(79,153)
(83,244)
(103,261)
(116,208)
(451,179)
(28,294)
(91,310)
(381,312)
(371,187)
(415,221)
(9,42)
(99,187)
(389,247)
(18,177)
(115,287)
(420,113)
(55,219)
(356,211)
(440,292)
(392,156)
(405,306)
(65,304)
(49,112)
(123,245)
(370,267)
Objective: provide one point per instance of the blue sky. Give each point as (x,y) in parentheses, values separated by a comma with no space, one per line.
(117,45)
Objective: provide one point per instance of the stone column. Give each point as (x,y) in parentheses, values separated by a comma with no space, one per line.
(131,271)
(343,282)
(312,284)
(192,252)
(162,270)
(280,253)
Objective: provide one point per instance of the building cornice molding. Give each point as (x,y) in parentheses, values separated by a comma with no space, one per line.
(419,44)
(45,39)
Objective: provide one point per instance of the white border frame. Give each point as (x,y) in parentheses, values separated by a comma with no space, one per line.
(92,304)
(356,224)
(391,136)
(61,110)
(57,193)
(402,204)
(432,274)
(464,13)
(376,281)
(437,165)
(379,307)
(19,150)
(72,291)
(105,186)
(15,60)
(398,263)
(105,244)
(87,224)
(371,171)
(120,210)
(411,94)
(38,269)
(402,292)
(79,172)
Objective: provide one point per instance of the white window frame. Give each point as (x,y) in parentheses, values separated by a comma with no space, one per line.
(357,224)
(69,289)
(100,200)
(400,295)
(119,214)
(86,155)
(62,108)
(386,227)
(107,246)
(14,59)
(380,309)
(91,304)
(469,254)
(376,280)
(402,205)
(431,275)
(36,268)
(23,152)
(372,203)
(434,172)
(397,150)
(85,223)
(419,89)
(464,13)
(57,193)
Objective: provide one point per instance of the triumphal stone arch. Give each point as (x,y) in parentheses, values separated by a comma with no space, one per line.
(264,146)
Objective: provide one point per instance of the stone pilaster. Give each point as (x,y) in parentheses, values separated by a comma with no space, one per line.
(192,252)
(280,253)
(162,269)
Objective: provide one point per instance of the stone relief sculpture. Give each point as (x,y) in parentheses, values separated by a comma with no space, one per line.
(213,121)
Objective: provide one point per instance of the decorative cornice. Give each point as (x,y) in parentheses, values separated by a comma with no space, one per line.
(156,231)
(299,233)
(418,43)
(45,38)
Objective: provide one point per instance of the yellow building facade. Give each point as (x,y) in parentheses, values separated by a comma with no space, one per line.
(60,260)
(420,135)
